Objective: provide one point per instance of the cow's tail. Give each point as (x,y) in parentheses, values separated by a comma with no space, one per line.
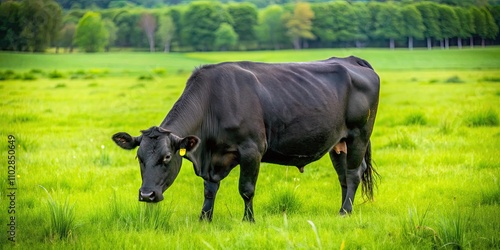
(369,176)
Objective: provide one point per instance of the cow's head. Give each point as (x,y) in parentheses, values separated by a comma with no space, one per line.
(160,156)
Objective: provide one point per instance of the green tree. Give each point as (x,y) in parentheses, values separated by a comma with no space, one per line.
(299,24)
(466,24)
(448,24)
(10,26)
(389,23)
(430,19)
(345,27)
(245,17)
(334,22)
(485,26)
(129,33)
(165,32)
(271,29)
(91,34)
(361,13)
(112,30)
(66,36)
(176,15)
(199,23)
(225,37)
(413,25)
(148,25)
(41,21)
(323,24)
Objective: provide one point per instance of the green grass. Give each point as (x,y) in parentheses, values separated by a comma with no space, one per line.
(435,145)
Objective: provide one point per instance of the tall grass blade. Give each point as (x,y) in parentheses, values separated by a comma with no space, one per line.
(62,217)
(315,230)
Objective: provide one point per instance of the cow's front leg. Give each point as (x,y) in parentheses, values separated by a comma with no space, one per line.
(249,171)
(208,205)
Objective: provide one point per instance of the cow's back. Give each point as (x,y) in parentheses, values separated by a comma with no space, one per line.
(300,109)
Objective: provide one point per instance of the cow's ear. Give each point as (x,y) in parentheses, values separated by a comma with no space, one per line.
(126,141)
(188,144)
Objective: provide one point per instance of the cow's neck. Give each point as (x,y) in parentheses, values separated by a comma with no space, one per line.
(185,118)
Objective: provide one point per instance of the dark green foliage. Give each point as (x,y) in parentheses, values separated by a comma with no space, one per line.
(41,21)
(11,26)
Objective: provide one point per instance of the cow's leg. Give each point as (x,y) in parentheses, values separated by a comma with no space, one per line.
(340,165)
(208,205)
(355,167)
(249,171)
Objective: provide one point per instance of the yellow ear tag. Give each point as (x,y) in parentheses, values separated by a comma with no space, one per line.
(182,151)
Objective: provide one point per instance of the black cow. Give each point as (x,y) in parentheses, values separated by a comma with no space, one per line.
(245,113)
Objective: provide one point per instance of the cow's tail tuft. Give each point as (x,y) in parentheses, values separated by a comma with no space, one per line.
(369,176)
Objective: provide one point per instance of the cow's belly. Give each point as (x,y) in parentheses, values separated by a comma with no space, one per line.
(276,157)
(300,147)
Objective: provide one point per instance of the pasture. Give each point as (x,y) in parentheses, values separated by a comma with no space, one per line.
(435,144)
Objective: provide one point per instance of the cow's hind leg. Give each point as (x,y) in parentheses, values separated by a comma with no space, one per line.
(355,167)
(340,165)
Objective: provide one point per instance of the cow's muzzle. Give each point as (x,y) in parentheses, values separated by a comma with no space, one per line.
(149,196)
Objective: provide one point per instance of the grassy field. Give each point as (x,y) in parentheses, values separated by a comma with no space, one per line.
(436,144)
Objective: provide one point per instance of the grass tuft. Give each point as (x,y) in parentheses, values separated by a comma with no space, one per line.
(491,79)
(104,159)
(159,71)
(60,86)
(415,230)
(147,77)
(29,76)
(482,118)
(454,79)
(62,218)
(140,216)
(284,201)
(402,140)
(447,127)
(55,75)
(415,119)
(452,231)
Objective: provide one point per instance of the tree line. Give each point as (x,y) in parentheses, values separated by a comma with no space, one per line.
(35,25)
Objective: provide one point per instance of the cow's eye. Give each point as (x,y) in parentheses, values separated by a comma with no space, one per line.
(167,158)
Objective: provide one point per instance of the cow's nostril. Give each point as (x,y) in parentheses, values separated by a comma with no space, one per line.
(148,196)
